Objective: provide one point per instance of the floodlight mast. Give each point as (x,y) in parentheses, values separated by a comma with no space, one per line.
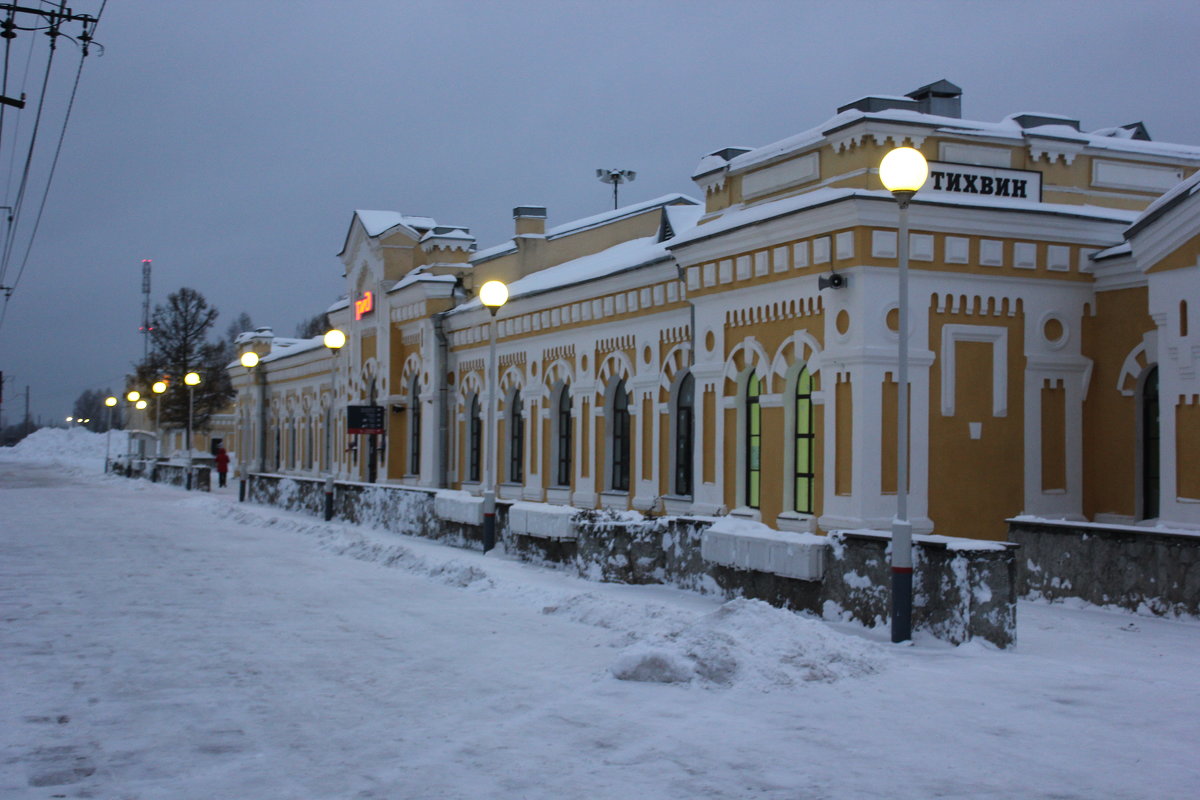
(616,177)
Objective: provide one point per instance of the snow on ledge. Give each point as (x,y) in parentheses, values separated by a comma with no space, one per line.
(452,505)
(744,544)
(1153,526)
(543,520)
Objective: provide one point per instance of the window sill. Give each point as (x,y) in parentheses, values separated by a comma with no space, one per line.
(796,522)
(616,500)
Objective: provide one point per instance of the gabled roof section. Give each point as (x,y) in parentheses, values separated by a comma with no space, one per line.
(377,223)
(1164,204)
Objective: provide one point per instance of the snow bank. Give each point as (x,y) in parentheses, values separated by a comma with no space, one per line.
(72,446)
(751,644)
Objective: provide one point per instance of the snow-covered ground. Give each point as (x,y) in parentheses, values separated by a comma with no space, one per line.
(159,644)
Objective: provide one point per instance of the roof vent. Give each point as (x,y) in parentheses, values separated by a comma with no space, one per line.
(730,153)
(873,103)
(1137,131)
(1038,120)
(941,98)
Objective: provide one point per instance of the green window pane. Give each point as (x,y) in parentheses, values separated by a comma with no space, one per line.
(803,493)
(803,453)
(804,383)
(754,489)
(803,417)
(755,456)
(755,420)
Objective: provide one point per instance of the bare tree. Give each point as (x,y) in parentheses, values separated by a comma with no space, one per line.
(315,325)
(178,345)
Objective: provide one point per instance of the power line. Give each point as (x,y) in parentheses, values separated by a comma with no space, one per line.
(85,41)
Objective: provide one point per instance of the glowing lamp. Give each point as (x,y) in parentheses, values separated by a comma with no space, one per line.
(249,359)
(70,419)
(140,404)
(110,401)
(903,170)
(493,294)
(159,387)
(192,379)
(335,339)
(133,396)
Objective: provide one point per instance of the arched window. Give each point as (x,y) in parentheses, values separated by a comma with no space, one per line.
(474,439)
(619,438)
(753,442)
(516,438)
(684,435)
(562,473)
(414,426)
(805,439)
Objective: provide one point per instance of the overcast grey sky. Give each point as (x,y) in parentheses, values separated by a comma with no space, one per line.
(231,141)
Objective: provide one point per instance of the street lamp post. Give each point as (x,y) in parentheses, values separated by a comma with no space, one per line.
(158,388)
(493,295)
(335,340)
(111,402)
(192,379)
(249,360)
(903,172)
(132,397)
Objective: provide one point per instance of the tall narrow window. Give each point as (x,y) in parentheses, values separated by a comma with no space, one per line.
(753,442)
(516,439)
(292,445)
(1183,319)
(805,438)
(278,450)
(563,473)
(1150,445)
(684,435)
(620,438)
(308,444)
(414,427)
(474,439)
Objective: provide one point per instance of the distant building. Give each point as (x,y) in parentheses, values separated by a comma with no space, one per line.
(680,355)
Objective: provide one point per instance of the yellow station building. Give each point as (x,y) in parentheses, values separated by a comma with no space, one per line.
(693,356)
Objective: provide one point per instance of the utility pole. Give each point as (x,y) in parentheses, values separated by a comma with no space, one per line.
(145,329)
(51,17)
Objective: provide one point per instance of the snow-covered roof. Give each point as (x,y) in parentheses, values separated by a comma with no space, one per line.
(448,232)
(593,221)
(1008,128)
(618,258)
(283,348)
(378,222)
(764,211)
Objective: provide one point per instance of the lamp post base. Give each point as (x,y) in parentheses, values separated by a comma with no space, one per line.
(489,521)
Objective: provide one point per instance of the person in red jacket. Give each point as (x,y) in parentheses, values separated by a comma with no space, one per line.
(222,466)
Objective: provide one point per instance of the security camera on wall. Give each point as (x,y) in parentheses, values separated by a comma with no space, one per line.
(834,280)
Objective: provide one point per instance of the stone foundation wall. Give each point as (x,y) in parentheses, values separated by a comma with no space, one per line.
(1140,569)
(960,591)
